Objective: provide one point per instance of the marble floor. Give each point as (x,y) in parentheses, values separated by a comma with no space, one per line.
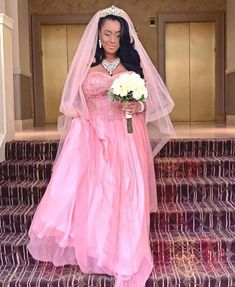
(183,130)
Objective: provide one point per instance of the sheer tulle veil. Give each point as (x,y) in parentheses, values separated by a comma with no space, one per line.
(73,104)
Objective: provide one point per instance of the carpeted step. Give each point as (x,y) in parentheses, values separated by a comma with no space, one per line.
(204,246)
(26,169)
(41,169)
(166,247)
(198,147)
(46,149)
(42,274)
(16,218)
(169,217)
(192,234)
(184,273)
(194,167)
(22,191)
(189,272)
(37,149)
(14,250)
(187,217)
(195,189)
(198,189)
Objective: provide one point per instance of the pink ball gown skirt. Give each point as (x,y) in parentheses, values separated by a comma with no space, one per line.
(95,212)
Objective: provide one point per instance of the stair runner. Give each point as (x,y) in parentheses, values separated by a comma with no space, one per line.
(192,234)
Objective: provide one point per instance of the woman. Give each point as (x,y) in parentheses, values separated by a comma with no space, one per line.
(95,212)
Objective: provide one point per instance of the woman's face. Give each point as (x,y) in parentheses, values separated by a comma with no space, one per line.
(110,36)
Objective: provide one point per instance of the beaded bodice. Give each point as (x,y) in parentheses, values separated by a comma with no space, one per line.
(95,88)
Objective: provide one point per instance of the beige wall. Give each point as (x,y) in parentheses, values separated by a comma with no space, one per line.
(12,11)
(2,6)
(18,11)
(230,36)
(7,129)
(230,71)
(139,11)
(24,36)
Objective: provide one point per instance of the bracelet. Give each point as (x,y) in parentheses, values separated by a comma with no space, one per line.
(142,107)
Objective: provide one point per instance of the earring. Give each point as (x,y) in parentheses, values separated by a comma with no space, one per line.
(100,44)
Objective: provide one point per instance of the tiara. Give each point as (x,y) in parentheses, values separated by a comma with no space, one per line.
(113,10)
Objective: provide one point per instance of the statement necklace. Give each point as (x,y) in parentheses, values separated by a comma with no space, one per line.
(110,66)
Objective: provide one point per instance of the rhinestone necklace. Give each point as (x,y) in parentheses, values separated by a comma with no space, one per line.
(110,66)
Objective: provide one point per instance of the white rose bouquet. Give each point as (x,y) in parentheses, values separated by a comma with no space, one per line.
(128,87)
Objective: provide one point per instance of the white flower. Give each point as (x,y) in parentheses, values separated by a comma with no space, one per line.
(123,90)
(124,78)
(129,82)
(137,94)
(116,88)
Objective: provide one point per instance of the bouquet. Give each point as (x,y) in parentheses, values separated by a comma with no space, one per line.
(128,87)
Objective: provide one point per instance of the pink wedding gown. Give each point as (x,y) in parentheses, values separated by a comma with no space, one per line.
(95,212)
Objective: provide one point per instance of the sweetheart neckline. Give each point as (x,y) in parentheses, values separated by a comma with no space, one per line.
(106,74)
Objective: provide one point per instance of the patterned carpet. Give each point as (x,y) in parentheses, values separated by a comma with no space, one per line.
(192,235)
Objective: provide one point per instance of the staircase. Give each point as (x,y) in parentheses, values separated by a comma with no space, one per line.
(192,235)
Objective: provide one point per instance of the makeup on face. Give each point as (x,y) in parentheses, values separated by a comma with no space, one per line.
(110,36)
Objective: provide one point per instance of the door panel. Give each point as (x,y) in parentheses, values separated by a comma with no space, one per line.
(190,70)
(54,50)
(202,71)
(177,69)
(59,44)
(74,34)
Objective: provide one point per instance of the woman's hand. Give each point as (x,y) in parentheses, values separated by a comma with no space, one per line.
(131,107)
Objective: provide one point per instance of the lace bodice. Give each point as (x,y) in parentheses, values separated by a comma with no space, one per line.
(95,88)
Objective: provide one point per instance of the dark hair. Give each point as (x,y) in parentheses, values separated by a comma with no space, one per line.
(129,57)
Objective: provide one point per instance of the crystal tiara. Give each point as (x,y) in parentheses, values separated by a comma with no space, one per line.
(113,10)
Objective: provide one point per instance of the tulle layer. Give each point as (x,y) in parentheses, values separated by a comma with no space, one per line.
(95,212)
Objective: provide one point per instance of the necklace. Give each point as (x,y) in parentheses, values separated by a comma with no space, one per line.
(110,66)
